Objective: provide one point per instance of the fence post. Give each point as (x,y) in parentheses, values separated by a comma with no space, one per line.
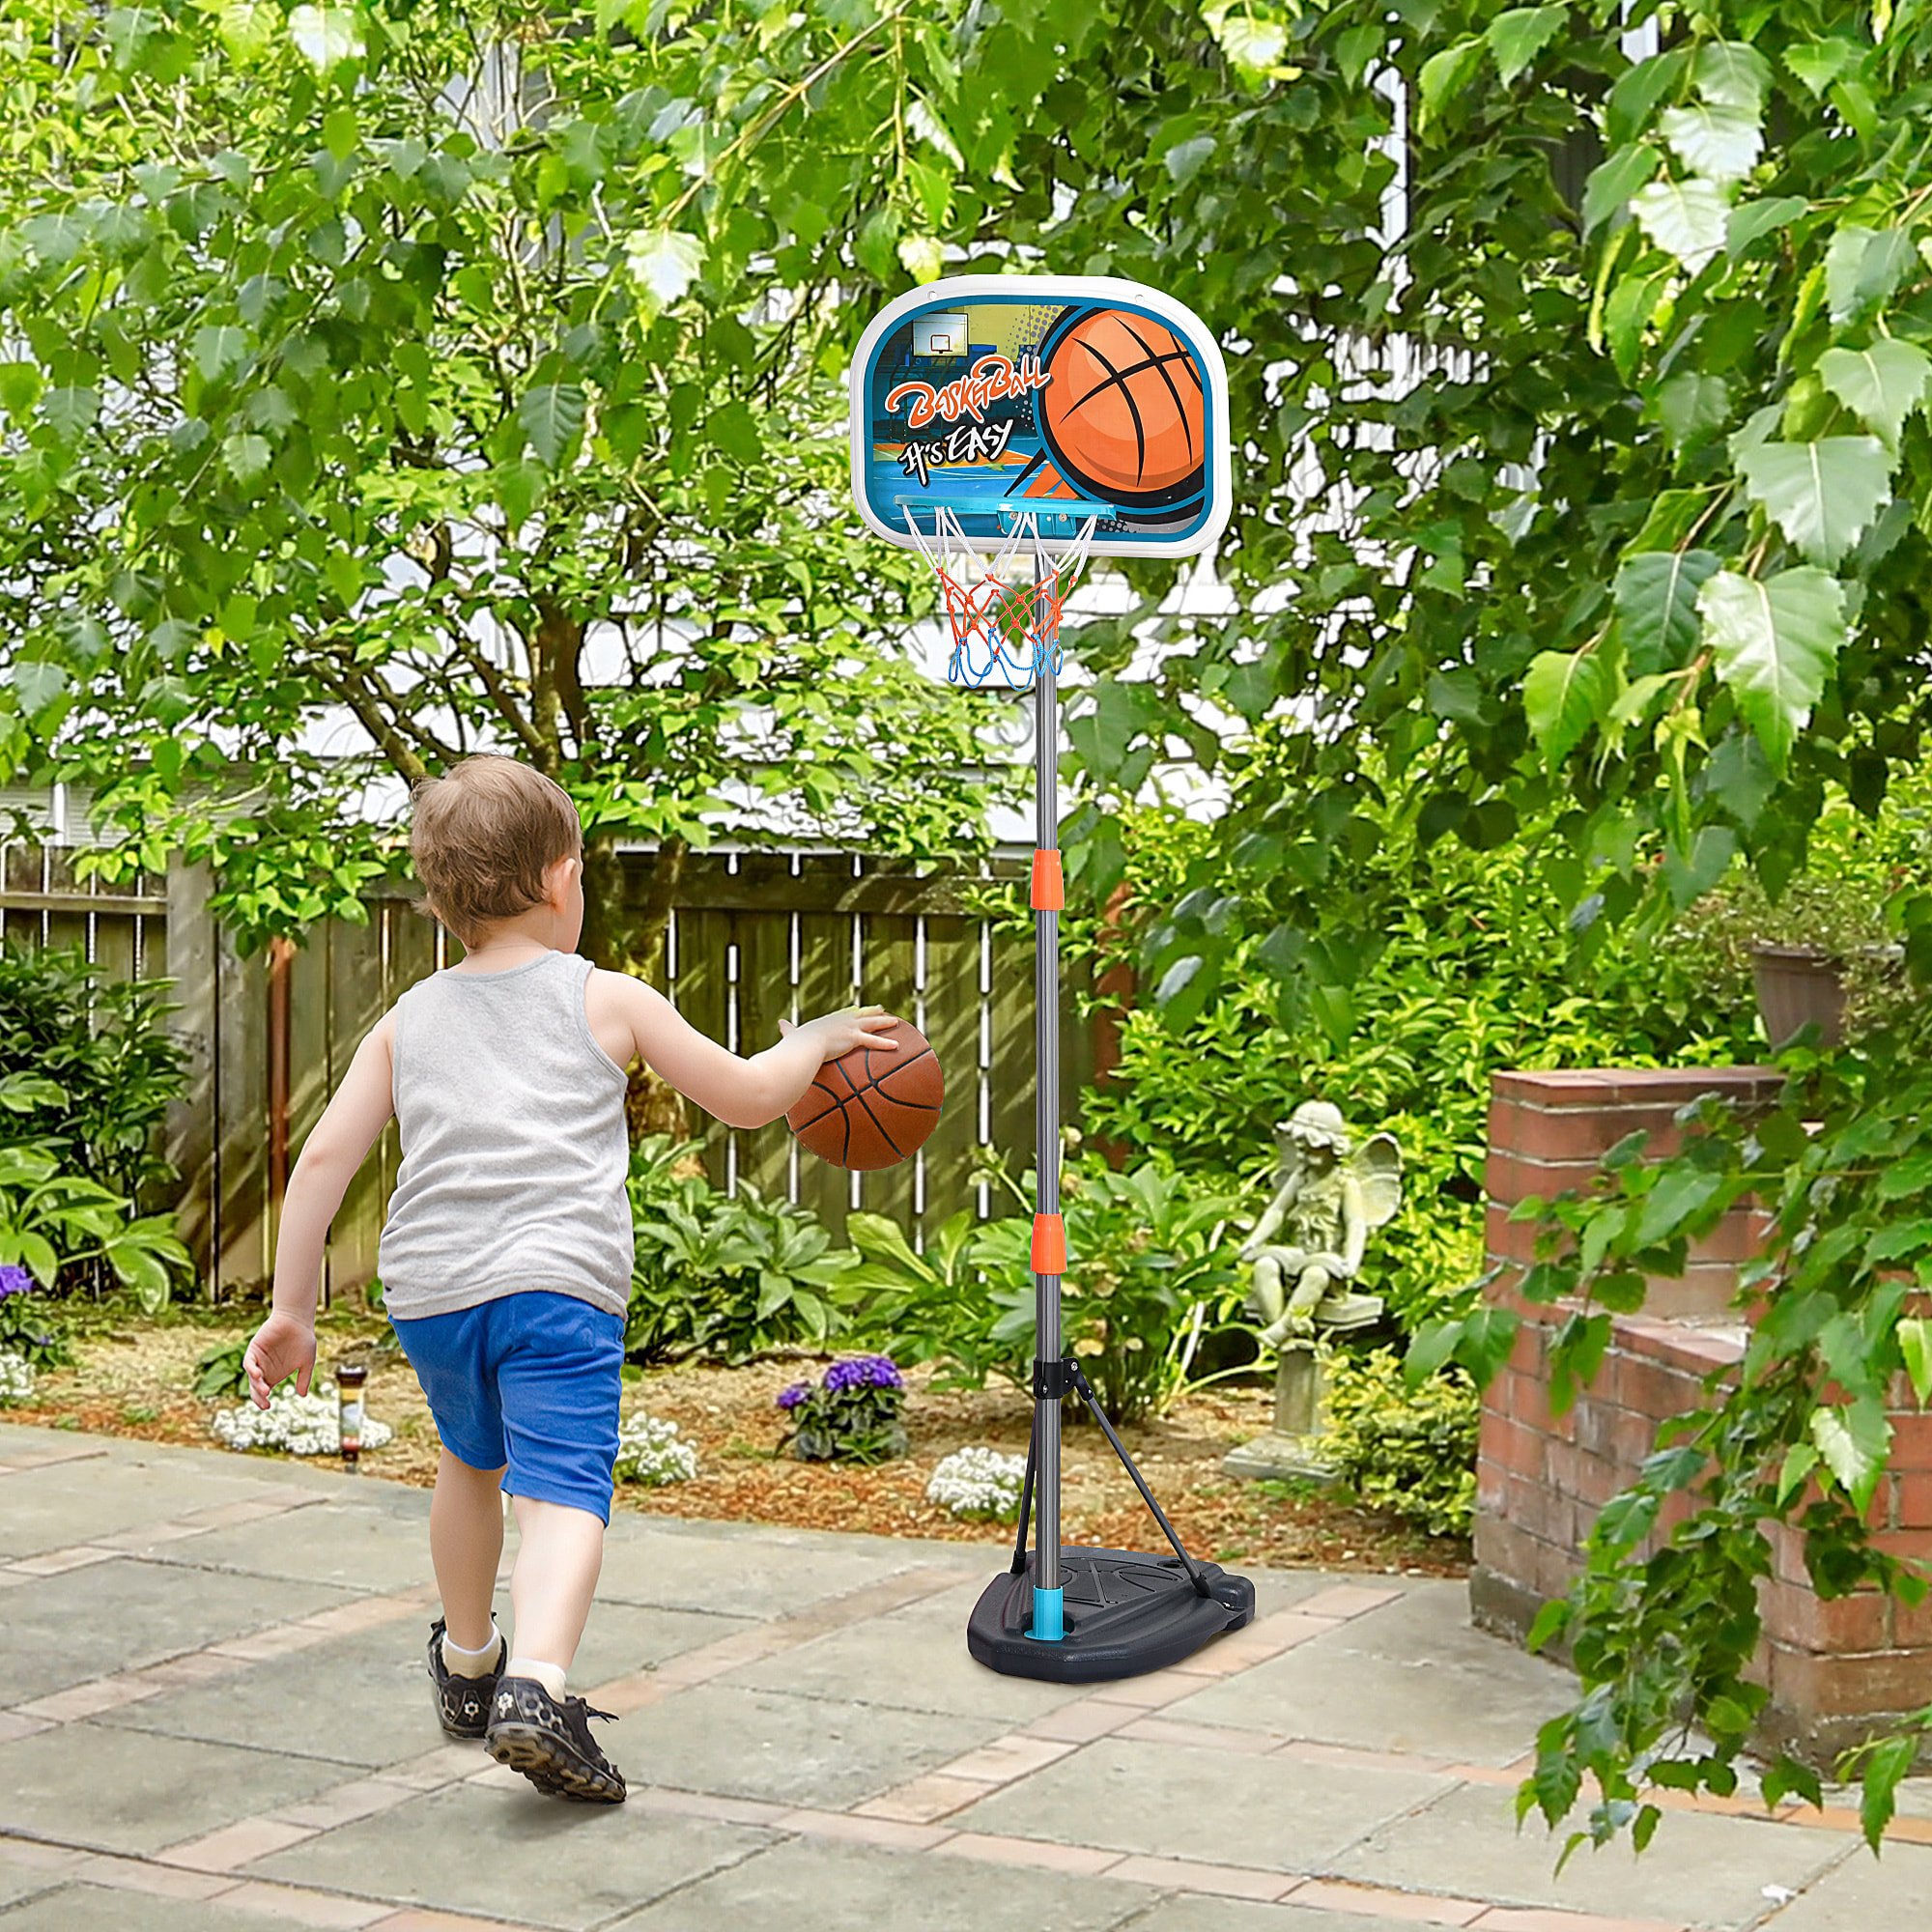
(191,1131)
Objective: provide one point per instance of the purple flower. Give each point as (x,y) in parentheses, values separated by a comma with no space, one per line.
(791,1398)
(864,1371)
(15,1280)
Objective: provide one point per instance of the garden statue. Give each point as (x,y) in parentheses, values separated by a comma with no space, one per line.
(1330,1196)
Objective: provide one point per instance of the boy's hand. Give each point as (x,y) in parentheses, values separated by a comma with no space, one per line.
(283,1346)
(850,1026)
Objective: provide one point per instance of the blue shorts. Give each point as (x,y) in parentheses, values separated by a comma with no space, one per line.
(530,1379)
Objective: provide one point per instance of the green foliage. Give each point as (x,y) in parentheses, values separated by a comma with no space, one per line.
(1476,971)
(96,1067)
(1409,1451)
(219,1372)
(852,1416)
(534,323)
(1150,1273)
(52,1221)
(1661,1622)
(727,1276)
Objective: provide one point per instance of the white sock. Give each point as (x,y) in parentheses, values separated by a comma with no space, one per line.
(460,1662)
(549,1675)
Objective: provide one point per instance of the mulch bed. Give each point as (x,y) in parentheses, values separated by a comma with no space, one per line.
(138,1382)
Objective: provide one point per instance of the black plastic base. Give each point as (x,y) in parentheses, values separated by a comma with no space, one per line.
(1125,1613)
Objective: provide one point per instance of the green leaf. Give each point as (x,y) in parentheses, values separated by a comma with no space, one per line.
(1883,382)
(1853,1440)
(21,387)
(1863,266)
(219,349)
(1186,159)
(663,263)
(1676,1199)
(1444,75)
(1800,1459)
(1691,406)
(1888,1761)
(1612,183)
(1750,220)
(246,455)
(37,685)
(1775,644)
(1685,218)
(1656,595)
(1563,695)
(551,417)
(248,28)
(1914,1345)
(734,430)
(326,36)
(1732,73)
(1817,63)
(1632,100)
(1820,494)
(1722,144)
(1519,36)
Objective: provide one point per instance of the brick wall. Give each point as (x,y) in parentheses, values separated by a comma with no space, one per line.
(1835,1669)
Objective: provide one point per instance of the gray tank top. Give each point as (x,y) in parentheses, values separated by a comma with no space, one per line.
(514,1145)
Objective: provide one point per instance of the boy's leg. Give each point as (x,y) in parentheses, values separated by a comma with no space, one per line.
(561,1551)
(466,1547)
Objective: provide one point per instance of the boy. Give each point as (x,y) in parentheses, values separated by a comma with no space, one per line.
(506,1258)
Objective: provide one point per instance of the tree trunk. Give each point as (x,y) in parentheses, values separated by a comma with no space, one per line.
(627,940)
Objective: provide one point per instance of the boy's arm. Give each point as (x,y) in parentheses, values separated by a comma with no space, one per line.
(362,1105)
(740,1093)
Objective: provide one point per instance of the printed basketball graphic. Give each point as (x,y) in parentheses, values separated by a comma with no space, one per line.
(868,1109)
(1123,415)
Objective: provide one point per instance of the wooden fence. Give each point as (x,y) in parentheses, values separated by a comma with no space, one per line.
(754,936)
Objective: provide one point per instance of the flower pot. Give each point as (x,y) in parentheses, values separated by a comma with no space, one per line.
(1798,987)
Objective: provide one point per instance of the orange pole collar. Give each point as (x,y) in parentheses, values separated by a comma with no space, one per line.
(1049,888)
(1049,1244)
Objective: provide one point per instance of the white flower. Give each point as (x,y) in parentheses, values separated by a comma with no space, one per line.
(16,1376)
(302,1425)
(980,1485)
(650,1451)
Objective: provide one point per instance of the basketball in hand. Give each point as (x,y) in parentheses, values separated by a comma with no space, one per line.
(869,1108)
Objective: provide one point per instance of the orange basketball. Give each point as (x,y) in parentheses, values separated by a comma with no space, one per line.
(868,1109)
(1124,416)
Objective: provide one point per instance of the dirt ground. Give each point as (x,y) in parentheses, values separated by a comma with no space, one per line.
(138,1381)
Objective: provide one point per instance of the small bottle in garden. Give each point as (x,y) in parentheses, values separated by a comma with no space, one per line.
(350,1378)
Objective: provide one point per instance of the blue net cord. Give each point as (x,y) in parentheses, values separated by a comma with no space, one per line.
(1004,613)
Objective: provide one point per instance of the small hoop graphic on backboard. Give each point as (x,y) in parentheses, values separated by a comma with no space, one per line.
(1004,609)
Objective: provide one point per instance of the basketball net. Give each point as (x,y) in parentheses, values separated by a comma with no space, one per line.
(1004,610)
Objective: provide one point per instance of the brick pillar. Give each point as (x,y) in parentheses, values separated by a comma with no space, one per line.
(1837,1671)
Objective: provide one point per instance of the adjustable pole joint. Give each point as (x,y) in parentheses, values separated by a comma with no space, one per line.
(1052,1380)
(1049,1244)
(1049,887)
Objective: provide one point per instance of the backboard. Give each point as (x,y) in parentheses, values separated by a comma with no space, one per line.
(1062,398)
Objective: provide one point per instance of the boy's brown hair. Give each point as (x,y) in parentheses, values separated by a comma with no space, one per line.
(482,837)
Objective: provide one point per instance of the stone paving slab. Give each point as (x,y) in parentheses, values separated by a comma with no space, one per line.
(806,1887)
(88,1784)
(1705,1870)
(62,1503)
(349,1545)
(787,1750)
(93,1908)
(15,1886)
(735,1576)
(1862,1894)
(915,1659)
(507,1852)
(1178,1801)
(1240,1915)
(123,1614)
(1414,1675)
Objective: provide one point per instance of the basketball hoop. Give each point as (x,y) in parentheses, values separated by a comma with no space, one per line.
(998,618)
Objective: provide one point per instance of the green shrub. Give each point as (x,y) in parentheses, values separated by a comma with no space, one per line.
(103,1066)
(1412,1452)
(726,1275)
(1150,1271)
(55,1223)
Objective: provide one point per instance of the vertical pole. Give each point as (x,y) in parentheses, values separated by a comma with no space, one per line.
(1048,1243)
